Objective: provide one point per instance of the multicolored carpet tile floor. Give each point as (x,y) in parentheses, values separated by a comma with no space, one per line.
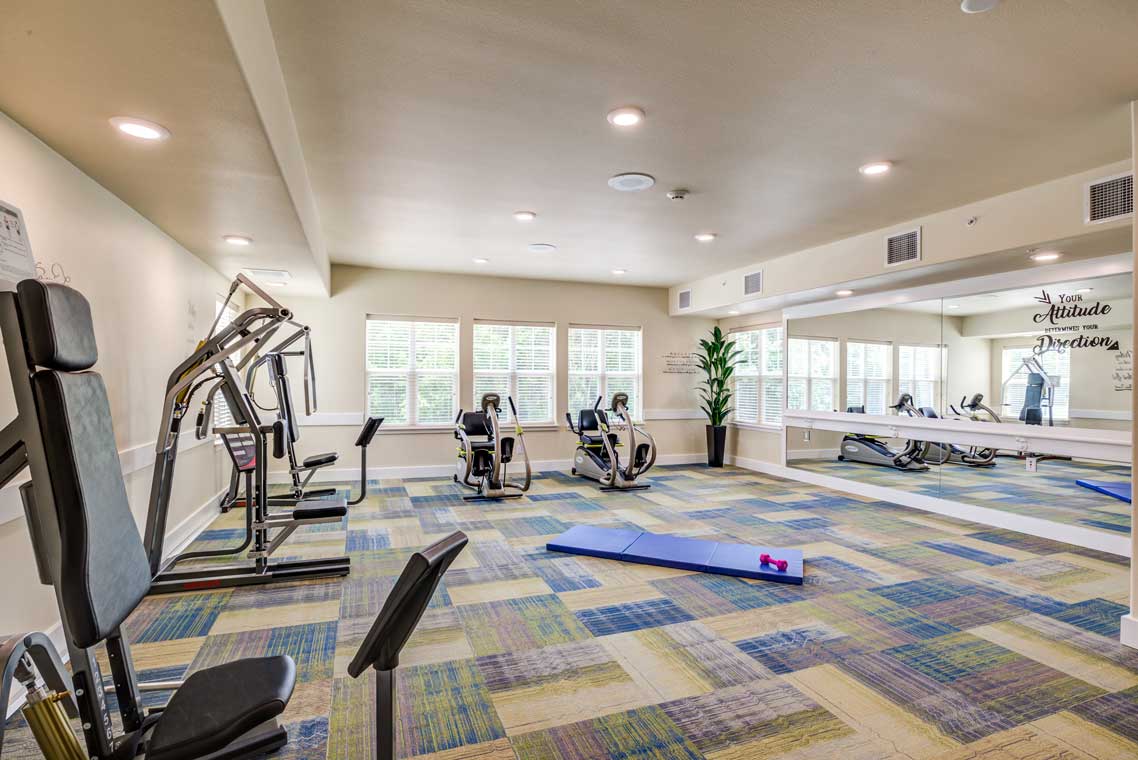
(914,636)
(1049,493)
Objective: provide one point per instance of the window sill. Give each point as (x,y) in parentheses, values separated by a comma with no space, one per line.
(757,426)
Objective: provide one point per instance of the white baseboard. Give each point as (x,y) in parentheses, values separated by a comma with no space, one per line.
(1032,526)
(793,454)
(352,474)
(177,540)
(1129,631)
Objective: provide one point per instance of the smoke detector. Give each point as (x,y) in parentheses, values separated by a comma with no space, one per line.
(678,194)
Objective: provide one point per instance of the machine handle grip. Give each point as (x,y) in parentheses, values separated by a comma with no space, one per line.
(278,439)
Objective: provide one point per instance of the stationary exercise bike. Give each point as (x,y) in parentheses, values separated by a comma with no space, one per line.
(482,464)
(868,449)
(597,458)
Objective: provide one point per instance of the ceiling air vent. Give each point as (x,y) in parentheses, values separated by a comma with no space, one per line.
(903,248)
(752,283)
(1109,198)
(685,299)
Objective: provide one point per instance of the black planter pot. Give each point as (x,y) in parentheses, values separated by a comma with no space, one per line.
(716,444)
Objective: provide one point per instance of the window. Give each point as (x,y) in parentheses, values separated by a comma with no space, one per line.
(225,313)
(517,361)
(1058,368)
(869,369)
(604,361)
(758,376)
(812,374)
(919,373)
(412,370)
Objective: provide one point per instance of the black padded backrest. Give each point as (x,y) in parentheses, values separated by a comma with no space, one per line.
(368,431)
(476,423)
(405,605)
(855,410)
(104,572)
(928,411)
(279,370)
(587,420)
(58,331)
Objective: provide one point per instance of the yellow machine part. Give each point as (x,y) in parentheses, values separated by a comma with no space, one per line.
(52,729)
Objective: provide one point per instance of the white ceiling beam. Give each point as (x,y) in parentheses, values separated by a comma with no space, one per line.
(247,23)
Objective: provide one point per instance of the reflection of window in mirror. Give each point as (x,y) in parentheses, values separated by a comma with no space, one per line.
(869,371)
(758,375)
(919,374)
(812,374)
(1058,370)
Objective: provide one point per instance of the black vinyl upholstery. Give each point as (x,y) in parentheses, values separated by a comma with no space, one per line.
(475,423)
(405,604)
(57,327)
(284,395)
(104,573)
(217,705)
(320,460)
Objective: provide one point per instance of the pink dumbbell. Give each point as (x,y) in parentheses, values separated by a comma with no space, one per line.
(766,559)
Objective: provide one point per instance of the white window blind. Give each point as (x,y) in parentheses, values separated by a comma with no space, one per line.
(1058,368)
(919,374)
(222,414)
(412,370)
(604,361)
(758,376)
(812,374)
(518,361)
(869,372)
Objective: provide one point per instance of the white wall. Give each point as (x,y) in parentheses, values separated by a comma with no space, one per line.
(151,300)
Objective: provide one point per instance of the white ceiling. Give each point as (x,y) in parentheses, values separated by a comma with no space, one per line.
(1102,289)
(424,125)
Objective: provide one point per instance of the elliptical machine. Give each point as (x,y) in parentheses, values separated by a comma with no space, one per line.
(867,449)
(482,464)
(950,453)
(596,457)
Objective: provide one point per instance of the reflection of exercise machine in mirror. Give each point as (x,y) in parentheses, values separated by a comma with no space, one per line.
(1039,396)
(483,464)
(597,457)
(868,449)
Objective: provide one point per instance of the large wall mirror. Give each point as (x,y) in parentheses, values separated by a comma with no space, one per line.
(1050,365)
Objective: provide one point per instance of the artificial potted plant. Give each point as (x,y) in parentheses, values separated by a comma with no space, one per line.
(717,359)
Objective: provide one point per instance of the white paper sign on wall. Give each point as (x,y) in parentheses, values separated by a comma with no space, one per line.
(16,260)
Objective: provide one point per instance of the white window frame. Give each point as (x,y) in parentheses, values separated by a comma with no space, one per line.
(864,382)
(810,377)
(222,415)
(603,374)
(413,374)
(514,373)
(763,416)
(1061,412)
(938,382)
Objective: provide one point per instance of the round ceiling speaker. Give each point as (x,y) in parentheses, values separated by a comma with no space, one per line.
(978,6)
(541,248)
(631,182)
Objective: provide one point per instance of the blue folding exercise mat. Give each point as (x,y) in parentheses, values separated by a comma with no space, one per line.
(694,554)
(1117,490)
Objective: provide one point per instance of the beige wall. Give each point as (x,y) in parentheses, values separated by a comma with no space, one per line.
(151,301)
(338,339)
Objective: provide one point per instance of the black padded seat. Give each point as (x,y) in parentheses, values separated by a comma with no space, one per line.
(218,705)
(319,460)
(308,510)
(485,445)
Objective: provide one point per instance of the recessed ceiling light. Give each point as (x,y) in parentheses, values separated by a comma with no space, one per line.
(619,272)
(240,240)
(1044,256)
(525,216)
(1084,290)
(140,128)
(541,248)
(705,237)
(876,168)
(954,306)
(628,116)
(631,182)
(844,292)
(733,313)
(480,260)
(978,6)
